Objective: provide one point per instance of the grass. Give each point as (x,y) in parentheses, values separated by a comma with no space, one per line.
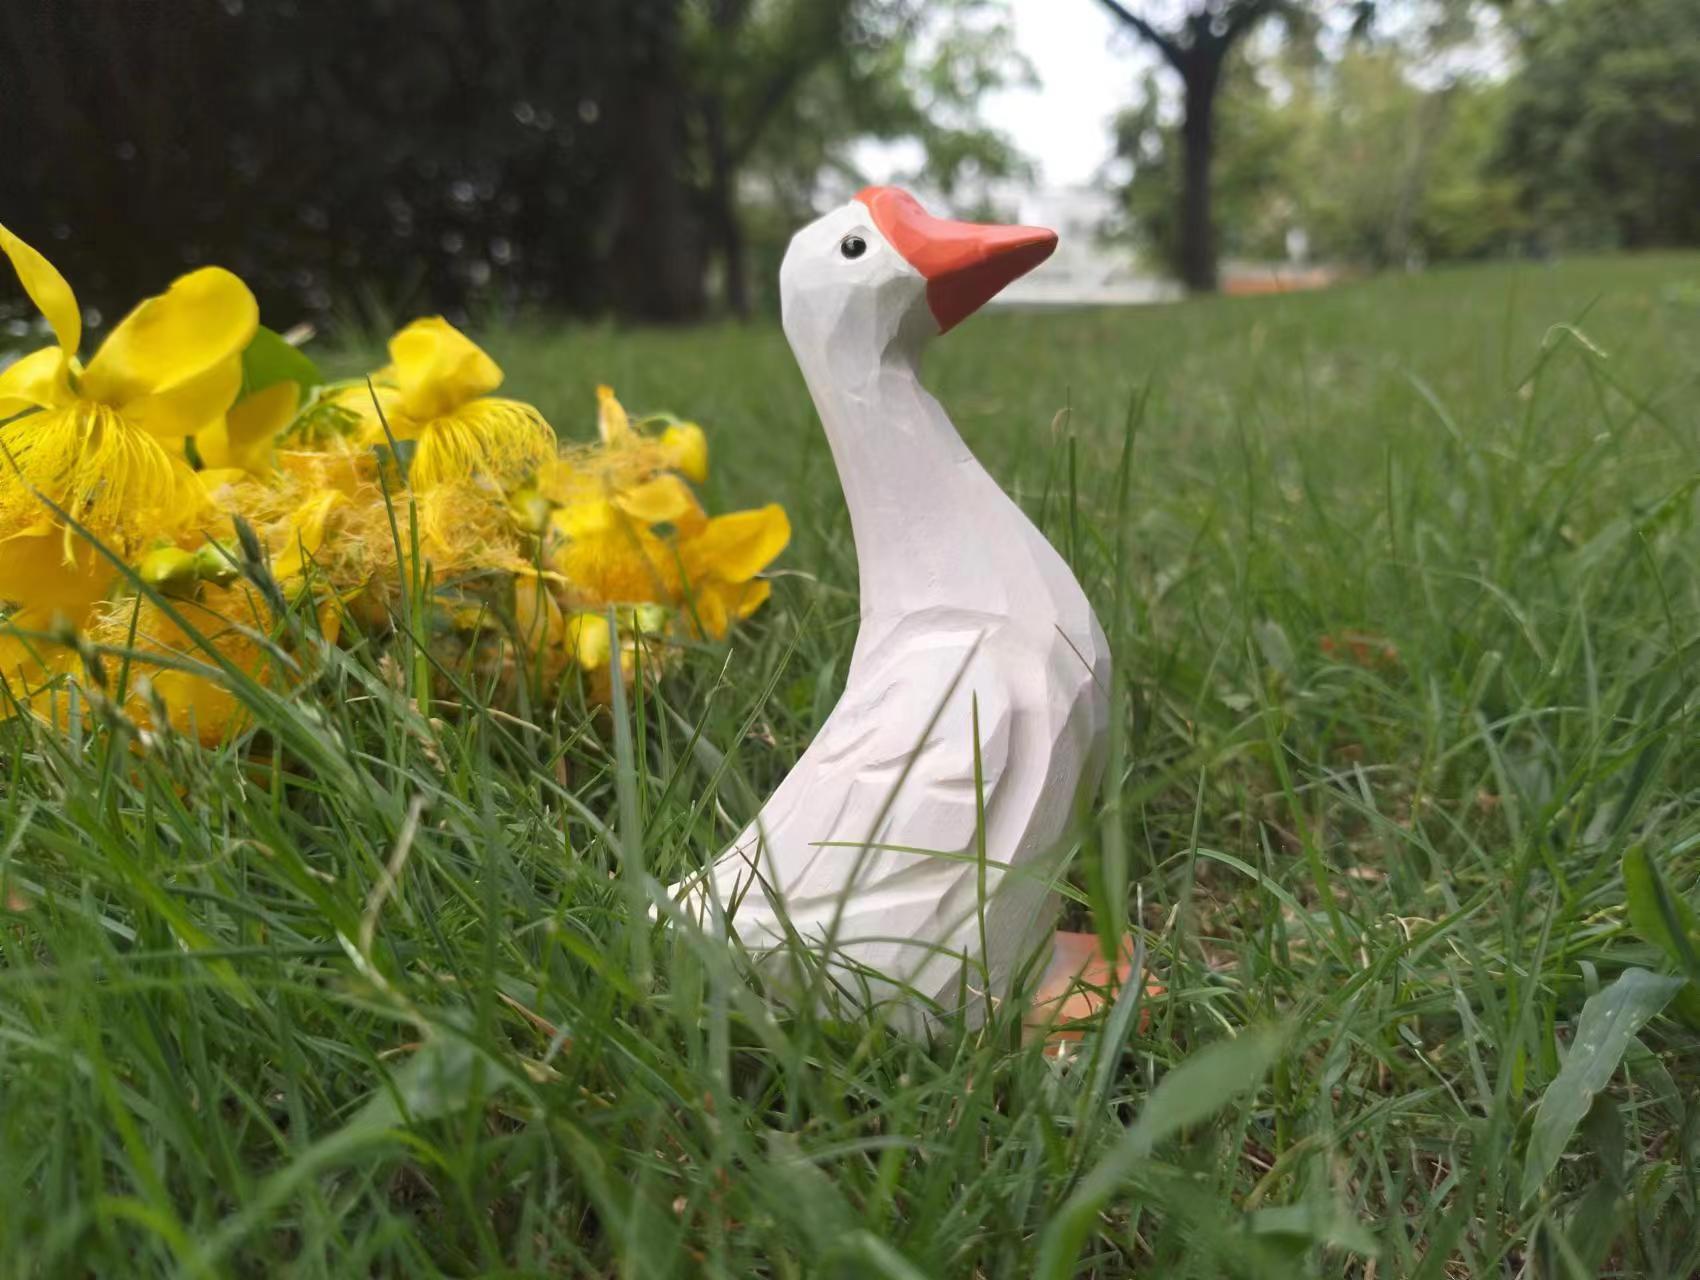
(1401,585)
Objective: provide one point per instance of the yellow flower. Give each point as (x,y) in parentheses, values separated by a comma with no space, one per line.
(613,423)
(341,466)
(245,438)
(686,450)
(721,562)
(436,392)
(465,528)
(296,539)
(229,618)
(625,529)
(591,643)
(603,539)
(538,619)
(609,509)
(342,533)
(27,665)
(94,441)
(359,407)
(682,446)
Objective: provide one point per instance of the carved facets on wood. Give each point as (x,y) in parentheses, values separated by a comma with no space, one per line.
(916,838)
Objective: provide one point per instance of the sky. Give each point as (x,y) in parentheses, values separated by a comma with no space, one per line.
(1089,66)
(1088,69)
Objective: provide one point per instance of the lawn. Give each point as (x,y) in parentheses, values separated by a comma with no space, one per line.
(1401,585)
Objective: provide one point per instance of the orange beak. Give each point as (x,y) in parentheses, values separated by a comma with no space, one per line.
(965,264)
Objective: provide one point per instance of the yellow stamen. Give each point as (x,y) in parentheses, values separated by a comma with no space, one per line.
(501,440)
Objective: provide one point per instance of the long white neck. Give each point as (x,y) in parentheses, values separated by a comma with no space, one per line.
(932,529)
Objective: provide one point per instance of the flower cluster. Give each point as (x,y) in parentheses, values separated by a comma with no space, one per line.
(172,497)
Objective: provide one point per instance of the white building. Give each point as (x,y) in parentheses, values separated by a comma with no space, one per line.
(1085,271)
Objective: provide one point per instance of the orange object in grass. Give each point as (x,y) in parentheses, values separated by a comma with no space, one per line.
(1077,983)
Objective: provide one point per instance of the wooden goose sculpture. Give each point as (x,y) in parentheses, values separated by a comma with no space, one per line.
(973,634)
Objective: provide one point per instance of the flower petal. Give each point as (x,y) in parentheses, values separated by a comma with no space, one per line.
(537,615)
(306,534)
(584,518)
(201,322)
(48,290)
(686,449)
(28,665)
(716,605)
(613,423)
(707,609)
(623,564)
(244,437)
(589,640)
(371,409)
(666,498)
(465,527)
(35,572)
(736,547)
(37,381)
(345,469)
(226,621)
(190,407)
(438,368)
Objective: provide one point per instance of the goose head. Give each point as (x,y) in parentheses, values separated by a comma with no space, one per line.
(880,275)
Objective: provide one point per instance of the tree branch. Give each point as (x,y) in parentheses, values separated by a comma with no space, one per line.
(767,104)
(1242,17)
(1171,51)
(819,39)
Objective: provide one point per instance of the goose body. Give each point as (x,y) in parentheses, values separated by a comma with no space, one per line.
(979,675)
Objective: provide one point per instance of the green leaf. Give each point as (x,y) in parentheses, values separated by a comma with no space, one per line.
(1687,1005)
(1193,1091)
(881,1259)
(1609,1022)
(1327,1223)
(1592,1227)
(1658,915)
(269,360)
(1661,917)
(441,1078)
(1602,1134)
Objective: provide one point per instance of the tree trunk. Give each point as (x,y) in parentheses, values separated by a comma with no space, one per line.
(728,230)
(1198,146)
(728,17)
(656,254)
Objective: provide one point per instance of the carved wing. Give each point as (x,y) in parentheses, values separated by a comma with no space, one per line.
(892,771)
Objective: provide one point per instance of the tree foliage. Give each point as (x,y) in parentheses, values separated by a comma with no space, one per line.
(1348,157)
(1387,173)
(1252,169)
(453,150)
(1604,124)
(783,91)
(1198,44)
(459,154)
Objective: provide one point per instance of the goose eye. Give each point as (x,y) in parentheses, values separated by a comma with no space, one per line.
(853,246)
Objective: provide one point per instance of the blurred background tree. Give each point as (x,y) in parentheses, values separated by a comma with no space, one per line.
(442,150)
(1604,122)
(1251,171)
(596,156)
(785,90)
(1343,160)
(1198,43)
(648,159)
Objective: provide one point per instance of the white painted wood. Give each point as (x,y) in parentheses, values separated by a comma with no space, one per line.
(966,611)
